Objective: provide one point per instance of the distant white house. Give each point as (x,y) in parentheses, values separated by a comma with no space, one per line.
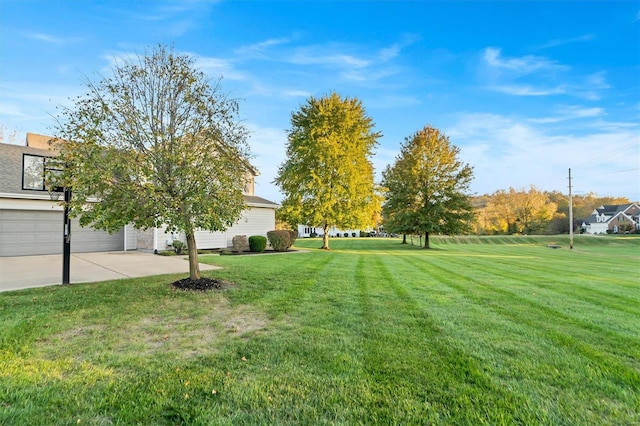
(306,231)
(613,219)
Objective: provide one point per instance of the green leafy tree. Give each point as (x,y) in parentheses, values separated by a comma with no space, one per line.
(327,178)
(397,216)
(427,187)
(155,144)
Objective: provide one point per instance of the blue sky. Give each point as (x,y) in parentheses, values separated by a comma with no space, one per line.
(526,90)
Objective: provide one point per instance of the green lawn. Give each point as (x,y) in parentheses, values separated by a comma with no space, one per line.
(494,330)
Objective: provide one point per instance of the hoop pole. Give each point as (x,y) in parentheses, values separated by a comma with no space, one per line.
(66,239)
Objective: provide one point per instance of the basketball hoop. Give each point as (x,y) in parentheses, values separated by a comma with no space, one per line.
(54,195)
(55,192)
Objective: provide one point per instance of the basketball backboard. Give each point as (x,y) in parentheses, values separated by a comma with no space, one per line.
(37,171)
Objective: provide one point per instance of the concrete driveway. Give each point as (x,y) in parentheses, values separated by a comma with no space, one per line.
(39,271)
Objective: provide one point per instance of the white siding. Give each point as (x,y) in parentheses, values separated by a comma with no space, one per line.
(211,240)
(254,221)
(164,239)
(130,239)
(597,228)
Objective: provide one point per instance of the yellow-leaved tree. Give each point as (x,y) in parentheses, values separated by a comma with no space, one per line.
(328,176)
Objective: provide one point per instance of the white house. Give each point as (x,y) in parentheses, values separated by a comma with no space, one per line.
(306,231)
(258,219)
(613,219)
(31,223)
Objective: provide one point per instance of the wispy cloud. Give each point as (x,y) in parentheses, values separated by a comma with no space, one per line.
(220,67)
(296,93)
(523,64)
(532,75)
(571,112)
(307,56)
(259,48)
(526,90)
(394,50)
(562,42)
(174,18)
(501,147)
(52,39)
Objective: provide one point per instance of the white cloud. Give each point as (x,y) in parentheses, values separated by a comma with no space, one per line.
(220,67)
(51,39)
(526,90)
(388,53)
(523,65)
(571,112)
(507,152)
(12,110)
(296,93)
(562,42)
(306,56)
(258,49)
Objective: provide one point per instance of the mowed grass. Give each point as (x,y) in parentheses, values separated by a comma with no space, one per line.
(494,330)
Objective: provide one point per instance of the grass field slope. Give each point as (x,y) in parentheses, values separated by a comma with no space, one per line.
(477,330)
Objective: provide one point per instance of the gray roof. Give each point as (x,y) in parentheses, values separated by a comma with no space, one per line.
(263,202)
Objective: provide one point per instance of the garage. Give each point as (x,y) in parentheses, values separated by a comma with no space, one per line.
(32,232)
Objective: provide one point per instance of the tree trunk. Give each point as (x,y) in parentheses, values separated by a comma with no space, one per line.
(325,237)
(426,240)
(404,238)
(194,266)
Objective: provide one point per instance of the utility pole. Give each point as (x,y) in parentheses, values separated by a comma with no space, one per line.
(570,214)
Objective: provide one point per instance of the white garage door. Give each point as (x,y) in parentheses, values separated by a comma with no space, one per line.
(25,233)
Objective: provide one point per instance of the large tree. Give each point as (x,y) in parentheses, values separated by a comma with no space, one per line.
(427,187)
(327,178)
(156,143)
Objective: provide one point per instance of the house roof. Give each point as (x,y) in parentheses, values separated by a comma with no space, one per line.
(611,211)
(254,201)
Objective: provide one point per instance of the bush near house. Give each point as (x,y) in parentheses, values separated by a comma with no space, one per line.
(178,246)
(257,243)
(346,234)
(240,243)
(280,240)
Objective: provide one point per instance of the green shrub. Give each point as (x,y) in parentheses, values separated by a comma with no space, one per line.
(225,252)
(257,243)
(279,240)
(346,234)
(167,253)
(313,235)
(178,246)
(353,234)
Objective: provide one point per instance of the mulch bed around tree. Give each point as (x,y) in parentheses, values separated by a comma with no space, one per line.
(203,284)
